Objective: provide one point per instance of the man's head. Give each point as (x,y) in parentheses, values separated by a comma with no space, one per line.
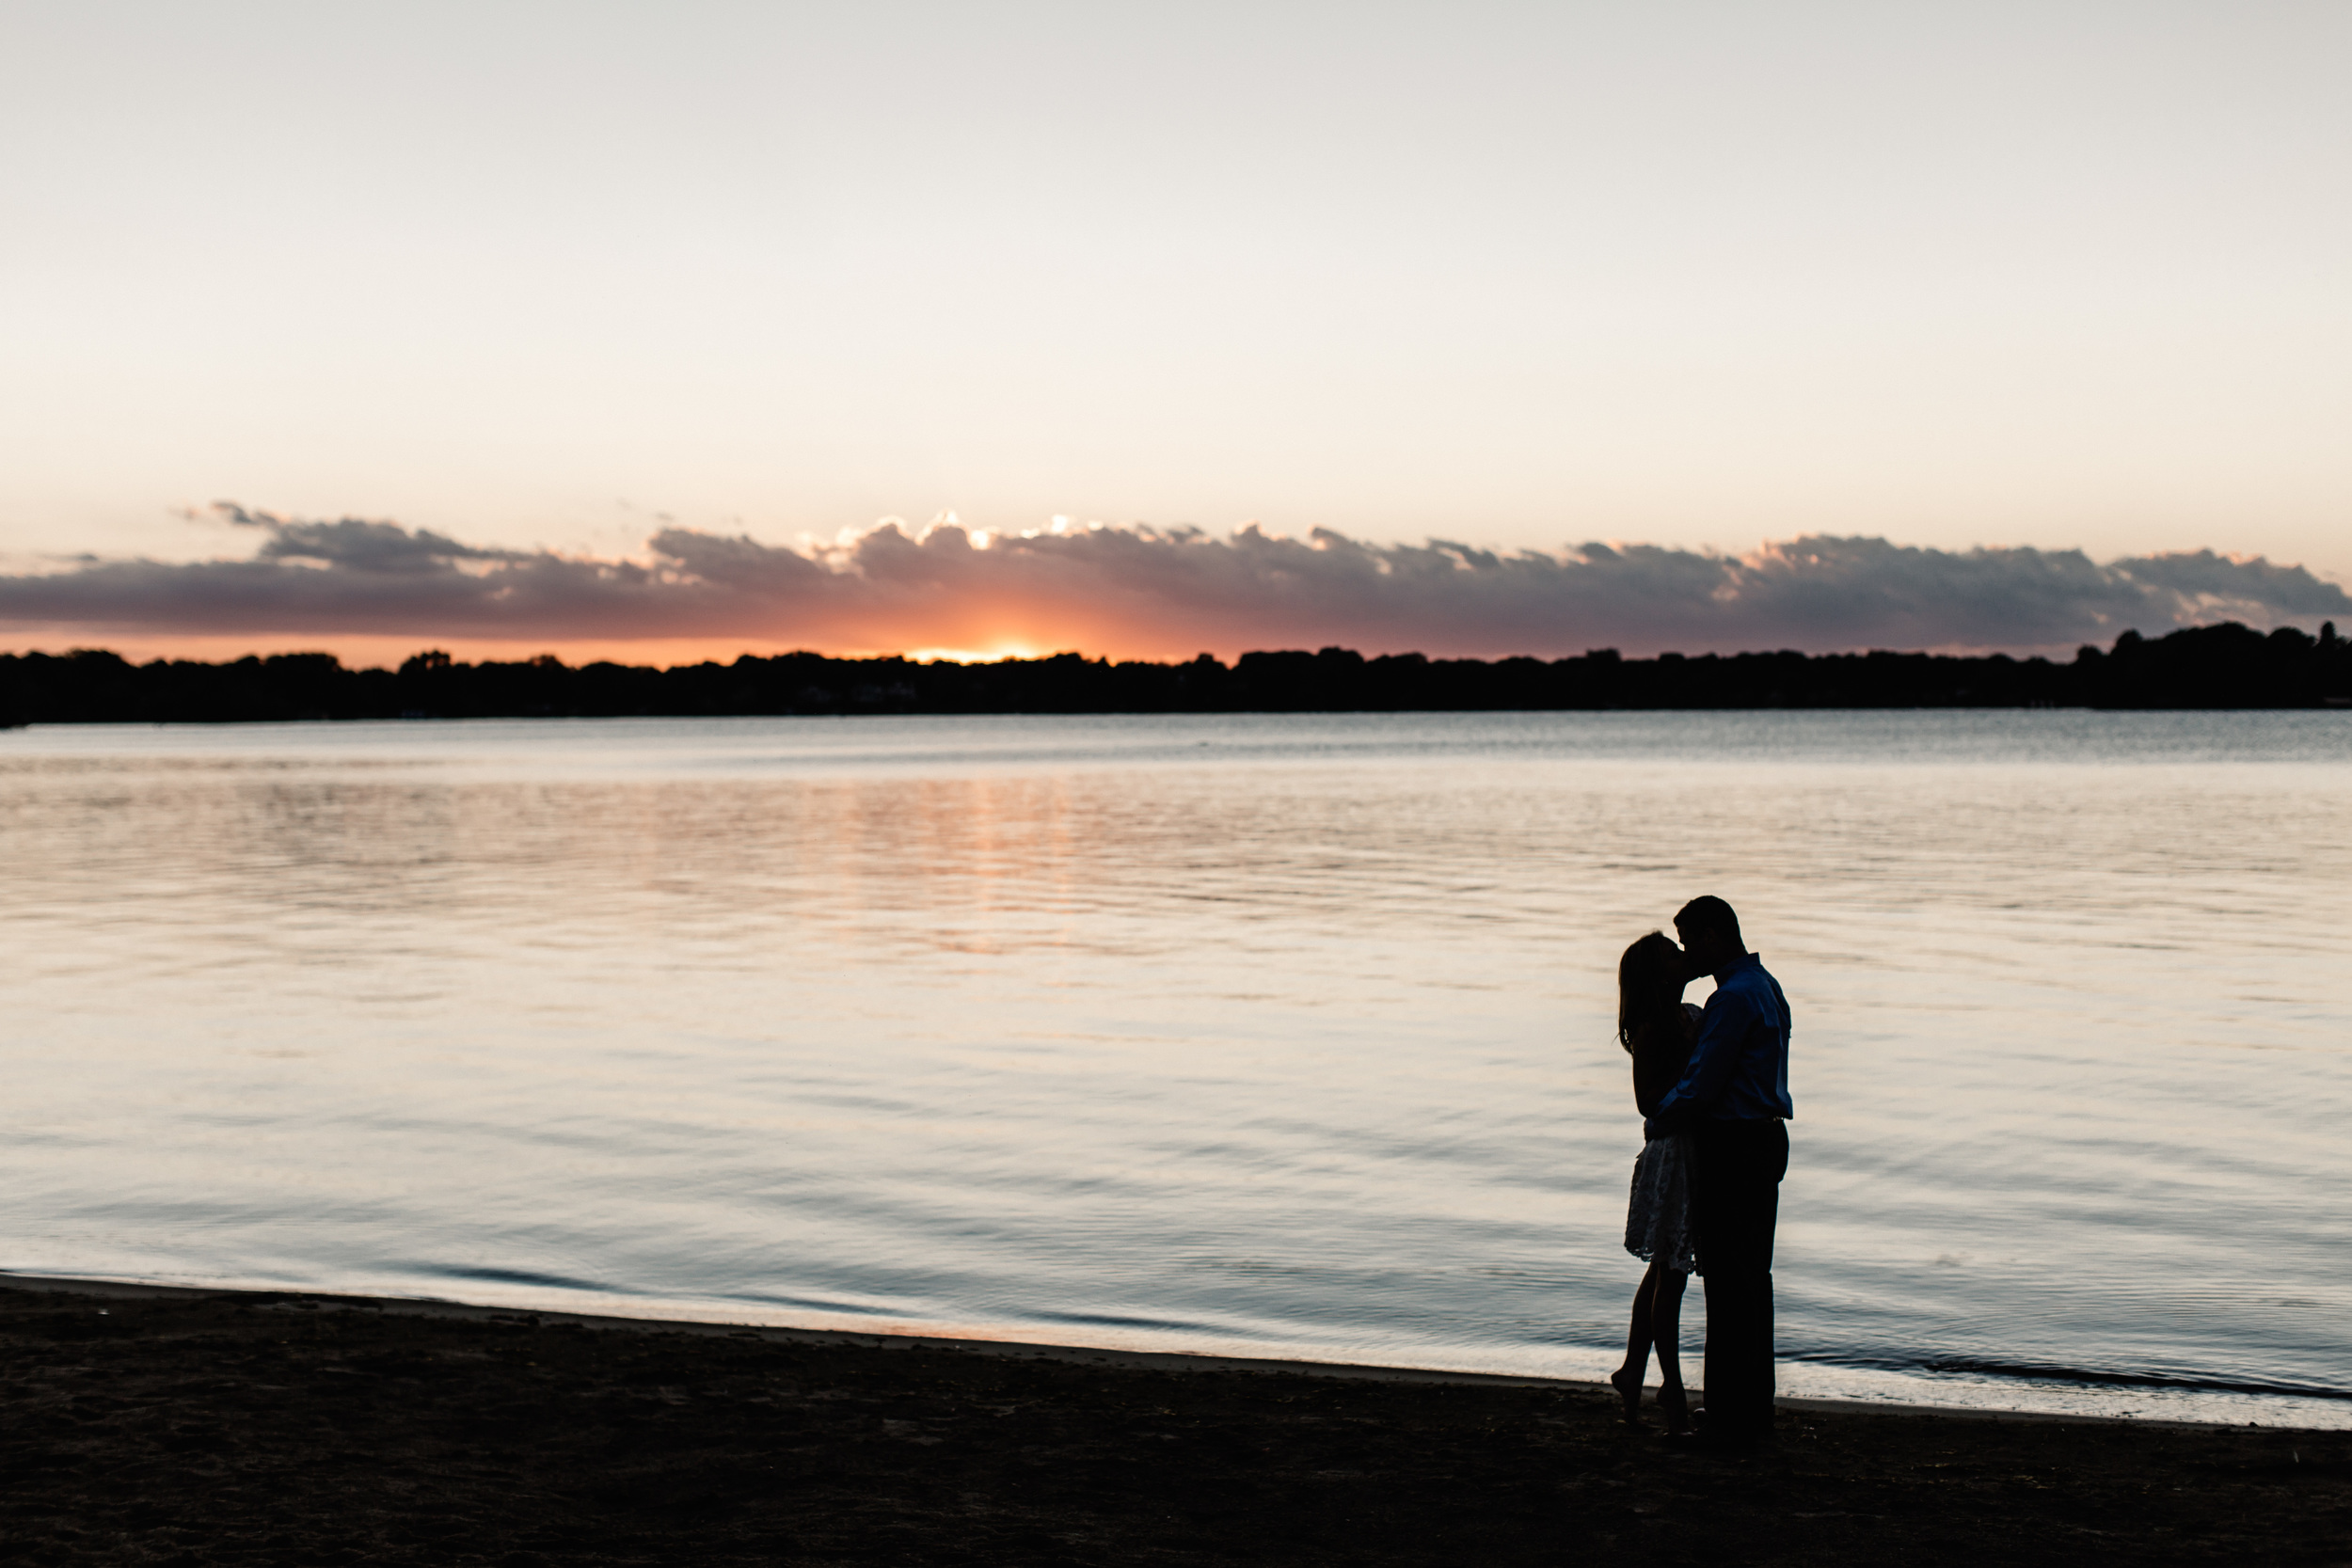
(1709,933)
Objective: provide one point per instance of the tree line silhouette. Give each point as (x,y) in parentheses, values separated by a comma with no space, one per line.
(2223,666)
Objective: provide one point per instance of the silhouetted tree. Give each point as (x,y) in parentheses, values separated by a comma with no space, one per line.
(2223,666)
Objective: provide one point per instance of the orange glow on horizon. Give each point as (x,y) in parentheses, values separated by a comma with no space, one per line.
(380,652)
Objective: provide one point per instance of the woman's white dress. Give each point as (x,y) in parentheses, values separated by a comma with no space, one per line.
(1657,1215)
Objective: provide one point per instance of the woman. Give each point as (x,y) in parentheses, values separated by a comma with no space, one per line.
(1657,1027)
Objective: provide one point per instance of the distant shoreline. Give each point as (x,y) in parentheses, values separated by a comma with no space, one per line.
(2227,666)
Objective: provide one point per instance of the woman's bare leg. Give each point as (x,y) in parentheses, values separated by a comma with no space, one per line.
(1639,1334)
(1665,1325)
(1665,1322)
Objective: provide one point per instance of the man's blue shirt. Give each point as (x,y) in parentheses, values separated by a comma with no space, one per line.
(1738,1069)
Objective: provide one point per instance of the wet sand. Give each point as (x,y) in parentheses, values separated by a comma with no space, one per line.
(192,1427)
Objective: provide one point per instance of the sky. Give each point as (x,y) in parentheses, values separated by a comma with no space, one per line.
(1870,325)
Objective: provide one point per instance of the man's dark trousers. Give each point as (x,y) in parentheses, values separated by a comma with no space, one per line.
(1735,1204)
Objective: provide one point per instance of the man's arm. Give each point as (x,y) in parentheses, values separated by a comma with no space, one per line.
(1722,1031)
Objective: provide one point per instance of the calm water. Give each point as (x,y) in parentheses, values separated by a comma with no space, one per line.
(1274,1035)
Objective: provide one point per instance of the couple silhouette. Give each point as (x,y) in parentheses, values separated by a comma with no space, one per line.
(1713,1086)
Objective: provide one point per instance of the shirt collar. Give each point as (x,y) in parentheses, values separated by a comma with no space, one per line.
(1745,960)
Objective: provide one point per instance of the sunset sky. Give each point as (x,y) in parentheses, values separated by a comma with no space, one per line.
(622,328)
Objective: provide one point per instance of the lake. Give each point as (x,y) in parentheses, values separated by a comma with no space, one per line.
(1280,1036)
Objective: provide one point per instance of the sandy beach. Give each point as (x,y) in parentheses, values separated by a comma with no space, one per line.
(168,1426)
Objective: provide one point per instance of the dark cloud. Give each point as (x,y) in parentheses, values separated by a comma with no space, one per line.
(369,546)
(1138,591)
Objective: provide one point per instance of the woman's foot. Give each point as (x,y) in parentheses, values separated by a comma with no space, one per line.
(1671,1400)
(1628,1384)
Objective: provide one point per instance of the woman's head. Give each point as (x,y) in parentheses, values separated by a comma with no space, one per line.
(1650,978)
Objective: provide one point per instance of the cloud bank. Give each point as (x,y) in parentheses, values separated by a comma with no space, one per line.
(1135,592)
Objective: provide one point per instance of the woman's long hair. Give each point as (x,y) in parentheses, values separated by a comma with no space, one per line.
(1649,989)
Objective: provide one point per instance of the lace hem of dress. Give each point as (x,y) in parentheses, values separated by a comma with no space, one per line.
(1657,1210)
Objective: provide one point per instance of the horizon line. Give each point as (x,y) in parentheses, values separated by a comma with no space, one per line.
(2325,635)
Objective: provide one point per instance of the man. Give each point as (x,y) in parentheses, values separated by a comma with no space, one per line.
(1734,1101)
